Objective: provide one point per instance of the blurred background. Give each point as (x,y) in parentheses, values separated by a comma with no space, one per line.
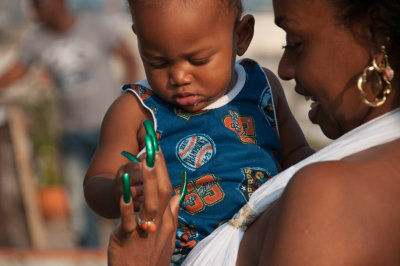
(39,224)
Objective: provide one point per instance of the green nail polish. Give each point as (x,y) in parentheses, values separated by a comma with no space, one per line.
(148,125)
(126,188)
(130,156)
(151,154)
(183,187)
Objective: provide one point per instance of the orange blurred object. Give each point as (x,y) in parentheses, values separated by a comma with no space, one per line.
(53,202)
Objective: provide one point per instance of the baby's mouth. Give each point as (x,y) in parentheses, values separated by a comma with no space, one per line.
(187,99)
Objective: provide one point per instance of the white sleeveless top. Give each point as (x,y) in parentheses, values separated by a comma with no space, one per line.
(221,247)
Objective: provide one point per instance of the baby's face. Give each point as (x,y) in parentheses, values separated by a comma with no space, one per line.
(188,50)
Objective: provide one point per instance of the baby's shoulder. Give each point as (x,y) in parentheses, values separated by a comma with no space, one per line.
(142,91)
(128,107)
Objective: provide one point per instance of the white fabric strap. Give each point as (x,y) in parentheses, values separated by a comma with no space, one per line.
(221,247)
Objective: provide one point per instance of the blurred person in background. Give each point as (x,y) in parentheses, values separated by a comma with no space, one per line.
(75,50)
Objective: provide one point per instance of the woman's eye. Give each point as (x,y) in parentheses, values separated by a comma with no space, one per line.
(291,47)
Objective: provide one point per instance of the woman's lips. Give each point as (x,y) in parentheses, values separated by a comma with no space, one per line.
(312,114)
(184,100)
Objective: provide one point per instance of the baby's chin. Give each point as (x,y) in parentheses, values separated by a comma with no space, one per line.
(191,108)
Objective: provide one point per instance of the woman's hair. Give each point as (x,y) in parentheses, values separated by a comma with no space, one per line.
(387,15)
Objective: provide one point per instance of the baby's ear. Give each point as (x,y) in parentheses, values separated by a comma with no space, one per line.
(245,32)
(133,28)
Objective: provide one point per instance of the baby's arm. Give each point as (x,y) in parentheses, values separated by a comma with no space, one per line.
(121,130)
(294,145)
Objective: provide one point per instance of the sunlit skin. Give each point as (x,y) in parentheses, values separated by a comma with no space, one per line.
(340,212)
(193,66)
(188,49)
(329,78)
(330,211)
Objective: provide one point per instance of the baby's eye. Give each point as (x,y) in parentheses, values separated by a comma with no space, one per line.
(157,65)
(199,62)
(292,47)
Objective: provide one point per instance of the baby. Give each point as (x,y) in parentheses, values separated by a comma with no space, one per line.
(226,123)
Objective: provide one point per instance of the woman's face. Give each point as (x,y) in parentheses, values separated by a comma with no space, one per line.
(325,59)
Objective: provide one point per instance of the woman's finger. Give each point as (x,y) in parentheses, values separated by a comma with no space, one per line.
(166,233)
(129,243)
(128,222)
(151,201)
(134,170)
(174,207)
(137,191)
(163,180)
(135,174)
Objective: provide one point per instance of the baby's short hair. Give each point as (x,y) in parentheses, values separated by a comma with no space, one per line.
(233,5)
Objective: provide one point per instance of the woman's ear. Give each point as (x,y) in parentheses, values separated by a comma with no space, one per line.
(244,31)
(374,30)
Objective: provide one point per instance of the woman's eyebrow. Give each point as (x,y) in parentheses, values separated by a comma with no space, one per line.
(280,20)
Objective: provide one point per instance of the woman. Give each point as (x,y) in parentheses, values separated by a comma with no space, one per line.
(342,55)
(346,211)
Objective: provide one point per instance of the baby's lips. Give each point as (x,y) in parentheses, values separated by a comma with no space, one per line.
(187,100)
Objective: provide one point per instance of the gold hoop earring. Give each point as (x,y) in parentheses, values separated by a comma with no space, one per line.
(385,75)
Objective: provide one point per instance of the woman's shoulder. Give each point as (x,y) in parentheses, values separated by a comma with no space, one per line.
(370,165)
(382,158)
(357,196)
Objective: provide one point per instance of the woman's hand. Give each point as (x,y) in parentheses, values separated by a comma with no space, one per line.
(131,245)
(134,170)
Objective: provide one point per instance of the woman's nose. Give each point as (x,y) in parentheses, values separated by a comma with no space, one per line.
(179,75)
(286,69)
